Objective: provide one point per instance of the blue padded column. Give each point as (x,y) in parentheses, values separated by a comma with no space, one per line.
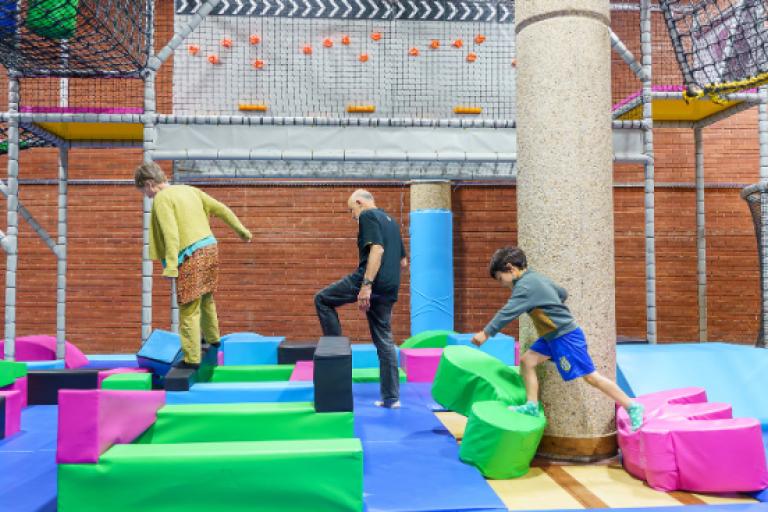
(431,233)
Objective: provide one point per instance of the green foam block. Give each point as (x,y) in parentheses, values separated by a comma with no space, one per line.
(372,375)
(246,422)
(128,381)
(289,476)
(10,371)
(252,373)
(467,375)
(428,339)
(54,19)
(499,442)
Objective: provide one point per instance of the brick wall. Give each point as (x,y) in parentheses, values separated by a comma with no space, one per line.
(304,239)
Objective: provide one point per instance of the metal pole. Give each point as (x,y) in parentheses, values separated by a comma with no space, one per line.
(701,235)
(12,232)
(61,256)
(650,246)
(762,113)
(146,263)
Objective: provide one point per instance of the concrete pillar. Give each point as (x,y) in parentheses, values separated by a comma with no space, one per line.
(565,200)
(431,234)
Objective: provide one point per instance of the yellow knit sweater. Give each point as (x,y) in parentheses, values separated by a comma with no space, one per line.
(180,218)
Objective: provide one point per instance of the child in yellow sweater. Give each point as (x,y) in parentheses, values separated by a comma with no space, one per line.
(181,237)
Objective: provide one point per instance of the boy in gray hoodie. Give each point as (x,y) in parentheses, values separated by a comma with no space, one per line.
(560,338)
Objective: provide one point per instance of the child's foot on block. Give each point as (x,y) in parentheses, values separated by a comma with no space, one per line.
(529,408)
(636,415)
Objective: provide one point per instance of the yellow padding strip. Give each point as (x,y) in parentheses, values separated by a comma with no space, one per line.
(534,491)
(252,108)
(618,489)
(361,109)
(96,131)
(467,110)
(454,422)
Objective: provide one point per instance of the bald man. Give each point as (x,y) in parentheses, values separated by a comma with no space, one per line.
(374,286)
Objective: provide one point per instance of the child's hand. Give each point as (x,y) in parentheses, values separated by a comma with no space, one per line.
(479,338)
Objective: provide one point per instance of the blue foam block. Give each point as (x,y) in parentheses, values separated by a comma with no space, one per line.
(431,273)
(55,364)
(249,348)
(421,475)
(364,355)
(235,392)
(239,336)
(501,346)
(109,361)
(161,350)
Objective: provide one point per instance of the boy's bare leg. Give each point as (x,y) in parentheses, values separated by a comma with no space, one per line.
(610,388)
(528,364)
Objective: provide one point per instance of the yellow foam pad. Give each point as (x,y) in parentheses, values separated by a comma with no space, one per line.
(252,108)
(467,110)
(361,109)
(678,110)
(95,131)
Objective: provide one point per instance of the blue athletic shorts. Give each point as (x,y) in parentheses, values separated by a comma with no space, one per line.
(569,353)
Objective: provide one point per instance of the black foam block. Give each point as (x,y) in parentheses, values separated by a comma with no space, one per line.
(289,353)
(181,379)
(43,385)
(2,417)
(333,374)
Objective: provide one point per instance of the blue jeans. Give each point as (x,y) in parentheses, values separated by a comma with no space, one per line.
(379,315)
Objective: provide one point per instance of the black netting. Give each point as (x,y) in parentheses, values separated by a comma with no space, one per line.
(27,140)
(86,38)
(721,45)
(756,197)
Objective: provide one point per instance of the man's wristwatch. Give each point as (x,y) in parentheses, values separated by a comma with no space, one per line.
(367,282)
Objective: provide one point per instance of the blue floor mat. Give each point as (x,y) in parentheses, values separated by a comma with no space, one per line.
(28,463)
(423,474)
(411,462)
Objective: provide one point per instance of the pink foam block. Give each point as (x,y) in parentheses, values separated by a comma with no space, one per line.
(103,374)
(687,443)
(517,353)
(40,347)
(19,385)
(92,420)
(304,370)
(220,358)
(420,364)
(12,411)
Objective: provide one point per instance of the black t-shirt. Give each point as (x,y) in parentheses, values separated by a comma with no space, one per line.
(378,228)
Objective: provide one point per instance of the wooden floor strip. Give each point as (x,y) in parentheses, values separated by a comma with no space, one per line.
(580,493)
(686,498)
